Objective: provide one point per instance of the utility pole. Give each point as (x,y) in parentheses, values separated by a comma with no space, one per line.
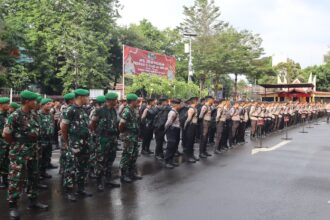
(190,64)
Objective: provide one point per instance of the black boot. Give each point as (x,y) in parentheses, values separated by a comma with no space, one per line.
(13,211)
(191,160)
(125,177)
(70,195)
(100,184)
(111,183)
(202,155)
(4,183)
(51,166)
(34,204)
(135,176)
(207,154)
(42,186)
(82,192)
(45,175)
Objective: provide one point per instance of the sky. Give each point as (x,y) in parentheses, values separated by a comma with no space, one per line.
(296,29)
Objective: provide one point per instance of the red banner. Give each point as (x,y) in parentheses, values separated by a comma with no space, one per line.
(138,61)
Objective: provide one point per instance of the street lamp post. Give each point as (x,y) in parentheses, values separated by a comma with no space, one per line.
(75,56)
(190,65)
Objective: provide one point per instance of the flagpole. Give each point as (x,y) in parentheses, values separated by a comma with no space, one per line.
(123,72)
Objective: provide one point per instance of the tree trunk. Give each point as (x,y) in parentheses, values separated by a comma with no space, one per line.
(201,86)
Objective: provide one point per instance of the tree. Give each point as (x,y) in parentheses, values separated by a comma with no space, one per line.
(202,19)
(322,73)
(69,40)
(149,85)
(262,72)
(291,68)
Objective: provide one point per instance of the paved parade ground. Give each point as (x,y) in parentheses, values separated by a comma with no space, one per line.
(287,180)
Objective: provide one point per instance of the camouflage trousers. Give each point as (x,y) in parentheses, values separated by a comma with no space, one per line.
(23,171)
(45,156)
(93,148)
(76,168)
(105,156)
(62,155)
(130,153)
(4,160)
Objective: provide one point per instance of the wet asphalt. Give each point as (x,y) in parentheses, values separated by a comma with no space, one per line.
(286,180)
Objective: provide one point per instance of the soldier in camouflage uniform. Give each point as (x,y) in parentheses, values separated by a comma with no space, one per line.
(104,123)
(21,132)
(129,128)
(4,146)
(100,100)
(74,127)
(46,135)
(69,100)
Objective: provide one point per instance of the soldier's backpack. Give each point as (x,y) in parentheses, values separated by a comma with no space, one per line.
(161,118)
(183,115)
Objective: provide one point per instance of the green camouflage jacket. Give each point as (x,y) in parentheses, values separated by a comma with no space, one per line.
(107,122)
(130,118)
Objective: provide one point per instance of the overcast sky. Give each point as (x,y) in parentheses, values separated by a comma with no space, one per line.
(297,29)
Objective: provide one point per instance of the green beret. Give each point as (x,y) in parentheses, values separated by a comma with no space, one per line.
(14,105)
(100,99)
(45,101)
(81,92)
(28,95)
(39,98)
(111,96)
(4,100)
(131,97)
(69,96)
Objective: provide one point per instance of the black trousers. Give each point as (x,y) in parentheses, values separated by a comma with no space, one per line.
(241,132)
(225,134)
(159,137)
(173,140)
(147,135)
(188,138)
(212,131)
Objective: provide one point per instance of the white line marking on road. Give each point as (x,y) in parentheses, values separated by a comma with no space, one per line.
(275,147)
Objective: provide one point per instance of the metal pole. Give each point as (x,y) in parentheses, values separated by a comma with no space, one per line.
(190,62)
(303,130)
(11,95)
(123,73)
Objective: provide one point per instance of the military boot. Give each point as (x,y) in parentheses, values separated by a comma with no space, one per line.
(13,211)
(125,177)
(71,196)
(111,183)
(82,192)
(134,175)
(4,183)
(100,184)
(34,204)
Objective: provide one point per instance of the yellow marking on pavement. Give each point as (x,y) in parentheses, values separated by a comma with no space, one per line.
(258,150)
